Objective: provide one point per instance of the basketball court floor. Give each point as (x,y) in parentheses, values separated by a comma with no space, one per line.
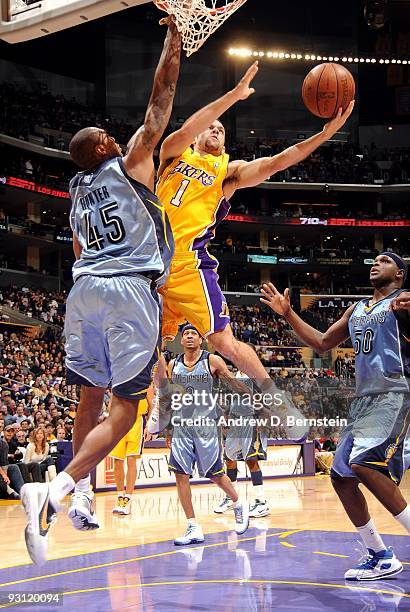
(293,559)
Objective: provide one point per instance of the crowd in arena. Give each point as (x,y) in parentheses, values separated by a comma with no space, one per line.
(52,119)
(332,247)
(37,408)
(343,210)
(259,326)
(38,303)
(335,163)
(24,110)
(46,171)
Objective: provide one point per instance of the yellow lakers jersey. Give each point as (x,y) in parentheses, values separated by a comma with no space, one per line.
(191,190)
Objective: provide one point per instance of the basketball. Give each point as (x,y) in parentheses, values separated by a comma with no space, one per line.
(326,88)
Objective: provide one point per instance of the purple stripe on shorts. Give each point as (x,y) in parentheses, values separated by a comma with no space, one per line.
(216,299)
(221,212)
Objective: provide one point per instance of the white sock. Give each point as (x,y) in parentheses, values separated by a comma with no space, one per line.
(259,493)
(60,487)
(237,503)
(83,485)
(192,522)
(127,495)
(404,518)
(371,537)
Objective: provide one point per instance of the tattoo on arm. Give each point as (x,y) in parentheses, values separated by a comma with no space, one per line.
(160,104)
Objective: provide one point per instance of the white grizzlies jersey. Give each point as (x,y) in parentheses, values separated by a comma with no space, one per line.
(381,343)
(120,224)
(198,378)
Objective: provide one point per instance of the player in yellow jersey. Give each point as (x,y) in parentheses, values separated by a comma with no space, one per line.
(129,449)
(196,181)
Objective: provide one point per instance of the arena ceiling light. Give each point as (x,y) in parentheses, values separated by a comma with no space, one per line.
(282,55)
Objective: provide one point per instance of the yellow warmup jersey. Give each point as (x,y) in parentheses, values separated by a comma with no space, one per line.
(191,190)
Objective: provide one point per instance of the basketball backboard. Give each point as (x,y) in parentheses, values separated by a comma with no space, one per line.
(26,19)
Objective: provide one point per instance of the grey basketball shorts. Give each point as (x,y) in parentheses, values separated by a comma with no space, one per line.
(112,331)
(376,436)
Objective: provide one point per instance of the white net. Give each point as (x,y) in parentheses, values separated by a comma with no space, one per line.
(197,20)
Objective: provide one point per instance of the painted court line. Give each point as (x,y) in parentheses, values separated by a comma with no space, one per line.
(125,561)
(228,581)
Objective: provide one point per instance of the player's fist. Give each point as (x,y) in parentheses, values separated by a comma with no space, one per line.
(243,89)
(401,302)
(278,302)
(170,21)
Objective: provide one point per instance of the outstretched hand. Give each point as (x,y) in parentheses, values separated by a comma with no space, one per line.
(243,89)
(278,302)
(337,122)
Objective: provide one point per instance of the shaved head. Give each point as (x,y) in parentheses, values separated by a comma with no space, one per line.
(91,146)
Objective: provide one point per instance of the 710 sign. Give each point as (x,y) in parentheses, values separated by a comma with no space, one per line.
(312,221)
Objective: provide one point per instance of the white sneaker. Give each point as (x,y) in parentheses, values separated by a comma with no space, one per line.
(193,535)
(258,508)
(374,566)
(125,506)
(225,505)
(81,512)
(241,513)
(40,513)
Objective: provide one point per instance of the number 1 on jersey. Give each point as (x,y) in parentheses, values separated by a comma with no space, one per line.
(176,200)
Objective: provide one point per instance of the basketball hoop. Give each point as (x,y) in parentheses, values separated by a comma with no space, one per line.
(197,20)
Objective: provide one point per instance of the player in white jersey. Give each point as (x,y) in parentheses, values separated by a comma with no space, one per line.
(123,247)
(195,438)
(374,447)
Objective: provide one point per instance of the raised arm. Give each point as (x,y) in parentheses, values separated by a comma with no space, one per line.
(318,341)
(138,160)
(180,140)
(249,174)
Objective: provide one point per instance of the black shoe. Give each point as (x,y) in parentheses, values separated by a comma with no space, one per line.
(13,495)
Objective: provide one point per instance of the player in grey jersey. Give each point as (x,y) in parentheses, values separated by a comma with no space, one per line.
(374,447)
(195,437)
(123,247)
